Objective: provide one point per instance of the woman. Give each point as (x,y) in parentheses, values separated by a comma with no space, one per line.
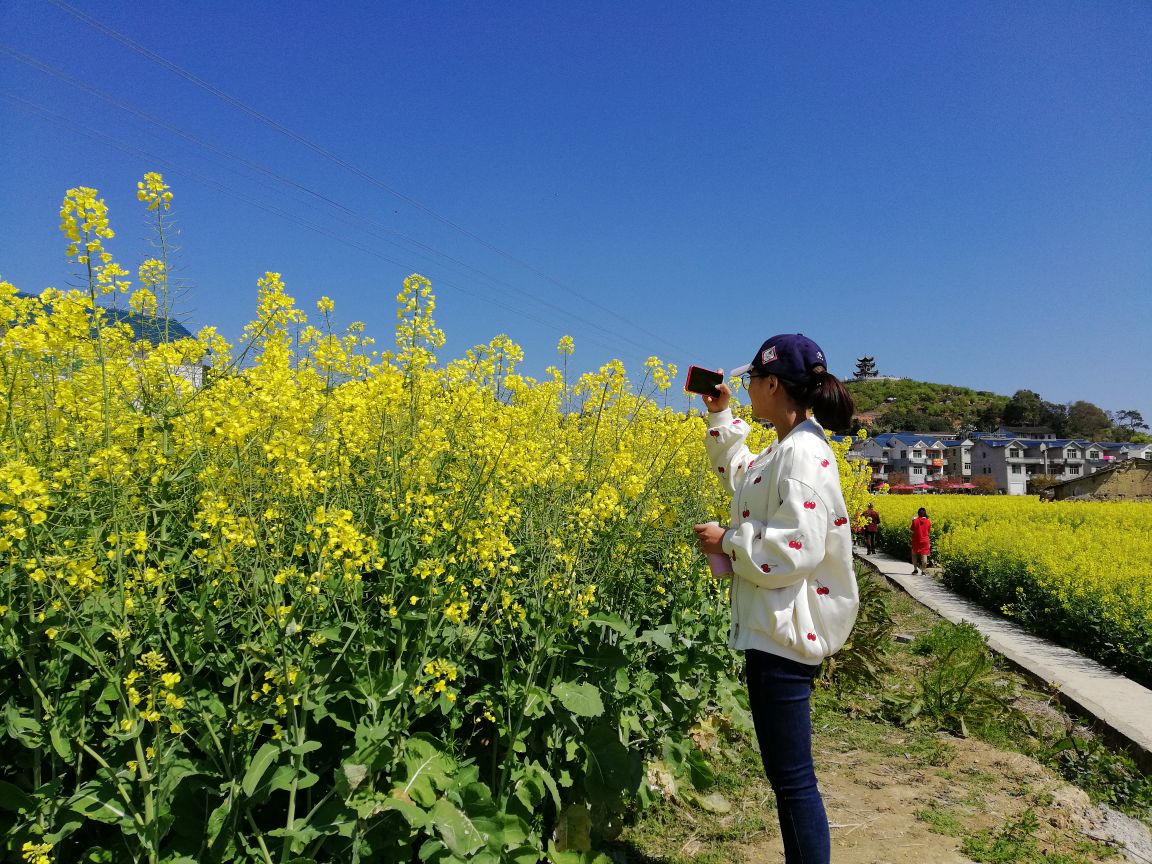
(793,591)
(921,541)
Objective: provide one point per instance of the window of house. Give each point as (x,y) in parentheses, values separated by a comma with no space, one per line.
(884,454)
(1015,453)
(916,454)
(1071,453)
(1093,454)
(903,454)
(916,469)
(1015,469)
(1073,469)
(967,466)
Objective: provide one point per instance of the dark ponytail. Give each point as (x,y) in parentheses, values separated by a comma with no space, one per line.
(830,401)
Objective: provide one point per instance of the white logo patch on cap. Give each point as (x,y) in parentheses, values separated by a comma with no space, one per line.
(768,354)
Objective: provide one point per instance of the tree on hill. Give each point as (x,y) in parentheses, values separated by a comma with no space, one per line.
(1055,417)
(1133,420)
(989,418)
(1025,408)
(1085,420)
(1126,426)
(921,406)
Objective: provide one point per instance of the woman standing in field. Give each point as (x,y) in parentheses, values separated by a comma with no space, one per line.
(921,541)
(794,595)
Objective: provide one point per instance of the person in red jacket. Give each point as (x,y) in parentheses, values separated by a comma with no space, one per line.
(921,541)
(871,527)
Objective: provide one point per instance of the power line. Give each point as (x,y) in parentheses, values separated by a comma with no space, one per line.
(152,159)
(335,158)
(374,227)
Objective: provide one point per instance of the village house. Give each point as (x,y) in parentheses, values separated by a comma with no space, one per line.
(925,461)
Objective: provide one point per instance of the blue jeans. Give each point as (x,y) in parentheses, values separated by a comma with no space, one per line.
(779,692)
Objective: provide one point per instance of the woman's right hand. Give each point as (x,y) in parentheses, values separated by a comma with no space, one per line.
(715,404)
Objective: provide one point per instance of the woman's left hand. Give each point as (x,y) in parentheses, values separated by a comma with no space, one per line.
(710,538)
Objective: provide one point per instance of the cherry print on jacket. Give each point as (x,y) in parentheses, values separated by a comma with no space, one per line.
(840,521)
(786,554)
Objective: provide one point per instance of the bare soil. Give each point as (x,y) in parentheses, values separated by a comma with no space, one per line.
(883,809)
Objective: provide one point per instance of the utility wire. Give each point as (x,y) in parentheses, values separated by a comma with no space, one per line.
(152,159)
(374,227)
(335,158)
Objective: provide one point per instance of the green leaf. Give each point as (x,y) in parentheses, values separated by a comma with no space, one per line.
(700,772)
(60,743)
(583,700)
(13,799)
(306,747)
(523,855)
(611,768)
(26,730)
(657,637)
(612,622)
(403,805)
(427,770)
(549,782)
(216,822)
(78,651)
(259,766)
(174,772)
(455,828)
(97,801)
(284,776)
(530,790)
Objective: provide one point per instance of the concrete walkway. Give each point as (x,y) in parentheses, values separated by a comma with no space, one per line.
(1120,704)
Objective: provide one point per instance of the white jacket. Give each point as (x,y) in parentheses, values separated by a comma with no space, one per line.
(793,587)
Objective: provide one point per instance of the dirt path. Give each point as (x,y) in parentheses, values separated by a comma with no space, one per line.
(873,805)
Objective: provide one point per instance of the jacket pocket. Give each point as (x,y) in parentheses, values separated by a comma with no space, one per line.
(785,616)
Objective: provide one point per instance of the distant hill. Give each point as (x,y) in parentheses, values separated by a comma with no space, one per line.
(918,406)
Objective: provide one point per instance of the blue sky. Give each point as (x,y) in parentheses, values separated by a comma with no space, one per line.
(962,190)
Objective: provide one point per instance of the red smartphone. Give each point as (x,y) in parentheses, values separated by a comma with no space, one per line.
(703,381)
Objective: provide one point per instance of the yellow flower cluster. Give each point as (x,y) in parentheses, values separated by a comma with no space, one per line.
(441,673)
(278,688)
(154,191)
(160,699)
(36,853)
(24,501)
(1083,561)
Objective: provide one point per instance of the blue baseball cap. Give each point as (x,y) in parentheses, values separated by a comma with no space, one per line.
(791,356)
